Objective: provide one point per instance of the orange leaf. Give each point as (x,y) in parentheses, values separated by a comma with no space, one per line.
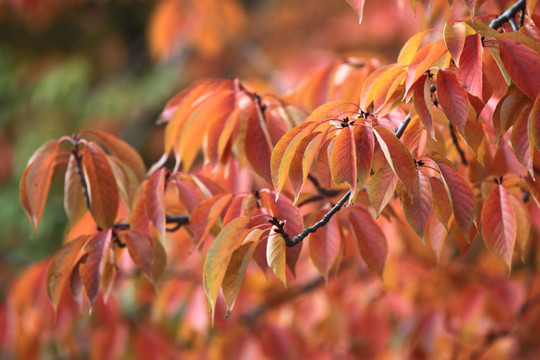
(219,256)
(522,64)
(453,99)
(102,186)
(381,188)
(364,142)
(398,157)
(454,38)
(121,150)
(418,208)
(203,218)
(370,239)
(469,72)
(140,250)
(258,146)
(442,206)
(302,161)
(74,201)
(499,224)
(324,245)
(424,59)
(434,235)
(505,112)
(93,263)
(407,52)
(36,181)
(154,201)
(61,267)
(343,159)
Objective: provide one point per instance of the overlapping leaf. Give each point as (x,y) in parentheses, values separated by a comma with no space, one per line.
(370,239)
(93,264)
(453,98)
(470,65)
(499,224)
(324,245)
(418,207)
(522,64)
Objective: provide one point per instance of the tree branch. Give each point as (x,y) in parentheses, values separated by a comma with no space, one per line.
(509,16)
(178,220)
(401,129)
(455,141)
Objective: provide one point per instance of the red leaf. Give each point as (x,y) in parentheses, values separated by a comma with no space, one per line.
(61,267)
(358,6)
(453,99)
(74,202)
(522,64)
(121,150)
(454,38)
(203,218)
(506,110)
(534,123)
(381,188)
(154,201)
(422,103)
(324,245)
(461,195)
(418,208)
(258,146)
(399,158)
(499,224)
(140,250)
(365,146)
(435,235)
(93,263)
(470,65)
(423,60)
(302,161)
(343,159)
(101,185)
(523,148)
(36,181)
(370,238)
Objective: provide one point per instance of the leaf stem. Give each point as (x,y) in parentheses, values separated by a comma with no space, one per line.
(508,16)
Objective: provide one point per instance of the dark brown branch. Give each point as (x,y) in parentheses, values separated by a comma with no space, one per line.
(320,189)
(509,16)
(456,143)
(403,126)
(250,316)
(279,225)
(178,220)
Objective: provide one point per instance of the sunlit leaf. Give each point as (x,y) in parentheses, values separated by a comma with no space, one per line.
(499,224)
(523,225)
(398,157)
(237,268)
(424,59)
(370,239)
(302,161)
(92,266)
(442,206)
(154,200)
(276,256)
(365,143)
(102,186)
(219,255)
(470,65)
(453,98)
(258,146)
(523,148)
(522,64)
(203,218)
(343,159)
(36,181)
(407,52)
(454,38)
(422,103)
(506,110)
(418,207)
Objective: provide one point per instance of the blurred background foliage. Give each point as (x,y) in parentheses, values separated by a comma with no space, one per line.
(112,65)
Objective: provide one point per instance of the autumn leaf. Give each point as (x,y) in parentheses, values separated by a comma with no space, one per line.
(219,255)
(534,123)
(453,99)
(381,188)
(258,145)
(523,148)
(140,250)
(203,218)
(154,200)
(422,103)
(424,59)
(522,64)
(398,157)
(469,72)
(499,224)
(237,268)
(36,181)
(418,207)
(61,267)
(523,225)
(364,142)
(74,201)
(442,206)
(370,239)
(407,52)
(454,39)
(276,256)
(343,159)
(324,245)
(93,263)
(101,184)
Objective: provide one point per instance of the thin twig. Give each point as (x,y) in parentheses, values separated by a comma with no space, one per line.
(179,220)
(298,238)
(508,14)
